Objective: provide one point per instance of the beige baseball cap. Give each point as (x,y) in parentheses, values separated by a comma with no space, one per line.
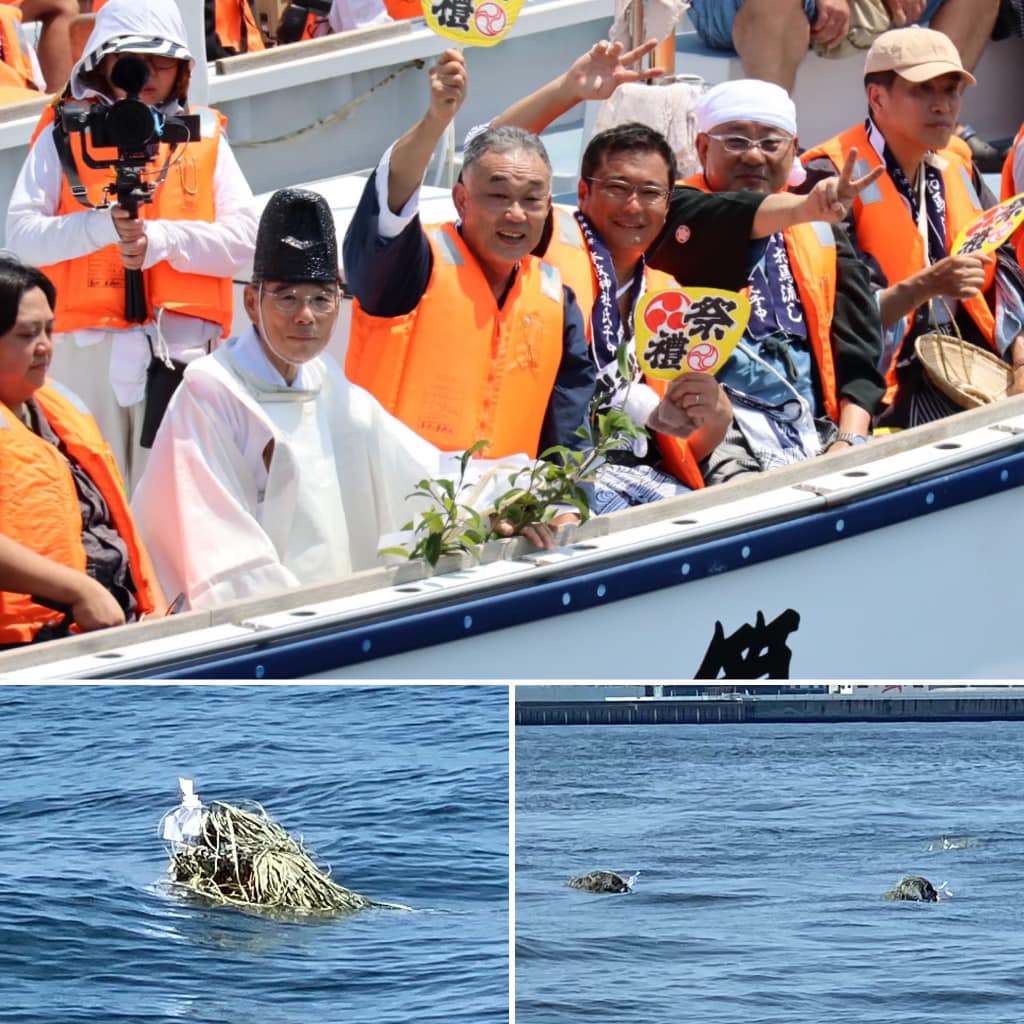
(916,54)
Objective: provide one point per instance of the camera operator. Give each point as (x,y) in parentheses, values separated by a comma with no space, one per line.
(194,231)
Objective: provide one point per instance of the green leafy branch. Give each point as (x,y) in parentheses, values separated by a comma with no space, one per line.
(448,526)
(558,478)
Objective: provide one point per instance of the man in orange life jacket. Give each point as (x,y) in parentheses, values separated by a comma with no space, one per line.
(805,377)
(458,330)
(189,242)
(708,244)
(69,552)
(906,224)
(626,178)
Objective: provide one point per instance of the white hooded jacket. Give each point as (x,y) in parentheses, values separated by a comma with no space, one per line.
(221,248)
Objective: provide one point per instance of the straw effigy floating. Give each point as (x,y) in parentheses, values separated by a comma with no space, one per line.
(241,857)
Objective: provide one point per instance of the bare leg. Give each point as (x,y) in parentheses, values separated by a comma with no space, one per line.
(969,24)
(55,37)
(772,37)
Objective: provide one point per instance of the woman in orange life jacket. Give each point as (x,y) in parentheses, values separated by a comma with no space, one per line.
(69,552)
(189,242)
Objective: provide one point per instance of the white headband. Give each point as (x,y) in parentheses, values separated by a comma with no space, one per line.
(750,99)
(746,99)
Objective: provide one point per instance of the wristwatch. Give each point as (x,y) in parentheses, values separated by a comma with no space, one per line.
(850,438)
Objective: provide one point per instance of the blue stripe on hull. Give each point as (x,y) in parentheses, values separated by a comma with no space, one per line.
(351,646)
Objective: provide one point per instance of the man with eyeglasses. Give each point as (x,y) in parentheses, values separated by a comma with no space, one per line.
(626,178)
(456,328)
(625,208)
(906,224)
(270,470)
(189,243)
(804,378)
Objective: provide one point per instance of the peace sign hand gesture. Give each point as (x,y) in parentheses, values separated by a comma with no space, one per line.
(830,200)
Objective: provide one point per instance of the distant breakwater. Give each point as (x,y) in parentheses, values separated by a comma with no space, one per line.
(770,710)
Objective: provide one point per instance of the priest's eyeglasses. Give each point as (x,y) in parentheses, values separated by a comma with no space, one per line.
(620,191)
(771,145)
(290,301)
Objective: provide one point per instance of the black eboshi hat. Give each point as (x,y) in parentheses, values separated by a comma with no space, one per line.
(296,240)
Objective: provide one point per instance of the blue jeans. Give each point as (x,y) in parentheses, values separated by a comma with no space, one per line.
(713,18)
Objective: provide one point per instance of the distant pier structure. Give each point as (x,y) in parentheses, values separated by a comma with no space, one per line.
(713,705)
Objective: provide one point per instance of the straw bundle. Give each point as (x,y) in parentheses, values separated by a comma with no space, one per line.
(244,859)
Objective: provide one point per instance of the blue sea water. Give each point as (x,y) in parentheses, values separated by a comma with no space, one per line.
(403,791)
(763,853)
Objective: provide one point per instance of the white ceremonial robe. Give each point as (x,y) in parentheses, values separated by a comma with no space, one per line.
(219,526)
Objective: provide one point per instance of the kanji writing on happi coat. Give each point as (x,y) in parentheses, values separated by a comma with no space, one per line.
(471,22)
(787,286)
(679,330)
(991,229)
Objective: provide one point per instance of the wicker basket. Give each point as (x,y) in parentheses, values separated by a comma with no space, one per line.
(964,373)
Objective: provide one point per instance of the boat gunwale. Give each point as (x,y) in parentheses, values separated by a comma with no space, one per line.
(318,647)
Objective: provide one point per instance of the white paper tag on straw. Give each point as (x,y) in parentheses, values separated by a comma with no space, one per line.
(185,821)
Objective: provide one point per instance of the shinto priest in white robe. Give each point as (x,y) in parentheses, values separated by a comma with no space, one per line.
(219,526)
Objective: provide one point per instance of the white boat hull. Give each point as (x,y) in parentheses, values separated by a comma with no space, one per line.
(894,561)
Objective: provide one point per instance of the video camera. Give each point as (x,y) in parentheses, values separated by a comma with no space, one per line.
(130,126)
(135,130)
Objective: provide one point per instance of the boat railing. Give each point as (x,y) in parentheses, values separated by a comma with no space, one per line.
(327,45)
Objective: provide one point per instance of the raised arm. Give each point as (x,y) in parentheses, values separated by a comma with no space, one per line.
(594,76)
(412,152)
(828,201)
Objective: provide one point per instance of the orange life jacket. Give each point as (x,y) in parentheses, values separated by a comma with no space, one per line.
(39,504)
(567,250)
(458,369)
(298,23)
(1008,190)
(16,67)
(401,9)
(316,25)
(90,289)
(886,230)
(229,17)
